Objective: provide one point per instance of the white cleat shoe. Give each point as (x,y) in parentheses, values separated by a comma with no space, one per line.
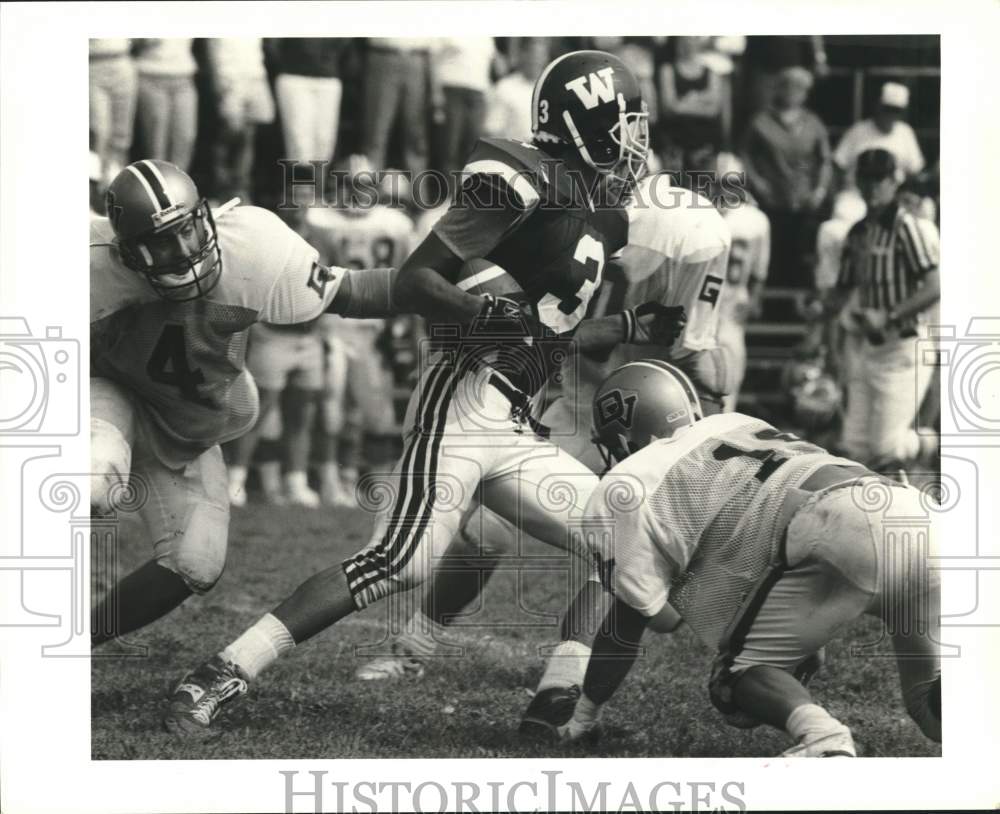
(333,494)
(391,668)
(831,744)
(303,496)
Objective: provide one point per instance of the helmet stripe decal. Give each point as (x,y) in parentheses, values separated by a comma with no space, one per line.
(159,193)
(145,185)
(151,166)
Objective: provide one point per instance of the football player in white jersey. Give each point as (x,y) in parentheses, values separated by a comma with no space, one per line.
(363,232)
(676,254)
(765,545)
(747,272)
(174,289)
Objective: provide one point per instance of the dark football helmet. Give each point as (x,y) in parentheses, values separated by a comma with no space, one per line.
(638,403)
(164,229)
(591,101)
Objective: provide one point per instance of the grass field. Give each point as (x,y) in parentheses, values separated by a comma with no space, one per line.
(309,706)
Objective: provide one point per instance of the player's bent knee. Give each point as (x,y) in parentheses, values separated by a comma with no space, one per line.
(111,462)
(198,554)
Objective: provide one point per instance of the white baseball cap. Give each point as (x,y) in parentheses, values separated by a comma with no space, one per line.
(895,95)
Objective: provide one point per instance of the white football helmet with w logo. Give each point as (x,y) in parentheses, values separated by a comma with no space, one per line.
(591,101)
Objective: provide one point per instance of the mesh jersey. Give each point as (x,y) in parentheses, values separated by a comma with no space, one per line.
(185,360)
(676,254)
(749,257)
(708,518)
(361,239)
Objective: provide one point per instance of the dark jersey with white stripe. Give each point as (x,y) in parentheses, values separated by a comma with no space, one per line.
(524,211)
(886,258)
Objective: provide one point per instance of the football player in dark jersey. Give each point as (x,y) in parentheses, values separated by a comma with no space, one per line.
(536,211)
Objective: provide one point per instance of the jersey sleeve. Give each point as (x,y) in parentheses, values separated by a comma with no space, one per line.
(699,284)
(303,286)
(919,239)
(622,536)
(847,278)
(494,200)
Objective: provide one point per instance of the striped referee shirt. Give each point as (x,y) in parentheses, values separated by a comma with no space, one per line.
(886,258)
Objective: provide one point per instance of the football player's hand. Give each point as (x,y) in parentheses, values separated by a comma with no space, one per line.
(506,316)
(653,323)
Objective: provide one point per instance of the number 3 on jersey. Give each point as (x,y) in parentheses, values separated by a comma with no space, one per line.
(564,314)
(168,364)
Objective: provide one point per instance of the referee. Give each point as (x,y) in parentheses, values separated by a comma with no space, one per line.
(888,279)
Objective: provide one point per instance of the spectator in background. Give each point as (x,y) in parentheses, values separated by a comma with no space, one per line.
(886,130)
(766,57)
(637,53)
(396,83)
(239,80)
(462,69)
(786,153)
(308,91)
(508,108)
(112,103)
(694,117)
(167,108)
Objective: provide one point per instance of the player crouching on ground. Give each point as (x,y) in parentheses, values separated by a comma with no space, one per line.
(766,545)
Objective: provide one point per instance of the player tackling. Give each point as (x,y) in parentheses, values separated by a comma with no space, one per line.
(764,544)
(174,289)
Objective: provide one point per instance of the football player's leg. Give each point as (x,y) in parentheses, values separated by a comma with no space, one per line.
(299,412)
(615,650)
(333,419)
(831,581)
(909,603)
(186,514)
(544,496)
(419,511)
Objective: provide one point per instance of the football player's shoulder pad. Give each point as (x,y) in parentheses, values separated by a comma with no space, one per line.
(517,164)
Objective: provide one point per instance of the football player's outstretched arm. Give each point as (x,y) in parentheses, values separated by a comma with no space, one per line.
(425,285)
(651,323)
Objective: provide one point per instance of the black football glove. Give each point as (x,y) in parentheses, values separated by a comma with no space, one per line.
(653,323)
(501,317)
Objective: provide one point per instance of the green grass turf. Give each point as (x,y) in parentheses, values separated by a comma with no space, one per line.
(309,706)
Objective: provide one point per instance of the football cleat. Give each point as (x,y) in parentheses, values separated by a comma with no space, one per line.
(303,496)
(830,744)
(200,695)
(549,711)
(333,493)
(391,668)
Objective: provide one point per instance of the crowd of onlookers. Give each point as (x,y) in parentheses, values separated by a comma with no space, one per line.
(414,104)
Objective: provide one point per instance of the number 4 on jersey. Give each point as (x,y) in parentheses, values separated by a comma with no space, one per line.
(168,364)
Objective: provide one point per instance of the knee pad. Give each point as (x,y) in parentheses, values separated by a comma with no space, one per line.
(197,554)
(110,466)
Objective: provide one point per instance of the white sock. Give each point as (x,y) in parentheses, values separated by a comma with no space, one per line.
(811,720)
(349,475)
(567,665)
(329,474)
(259,646)
(270,477)
(296,481)
(237,477)
(586,711)
(421,635)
